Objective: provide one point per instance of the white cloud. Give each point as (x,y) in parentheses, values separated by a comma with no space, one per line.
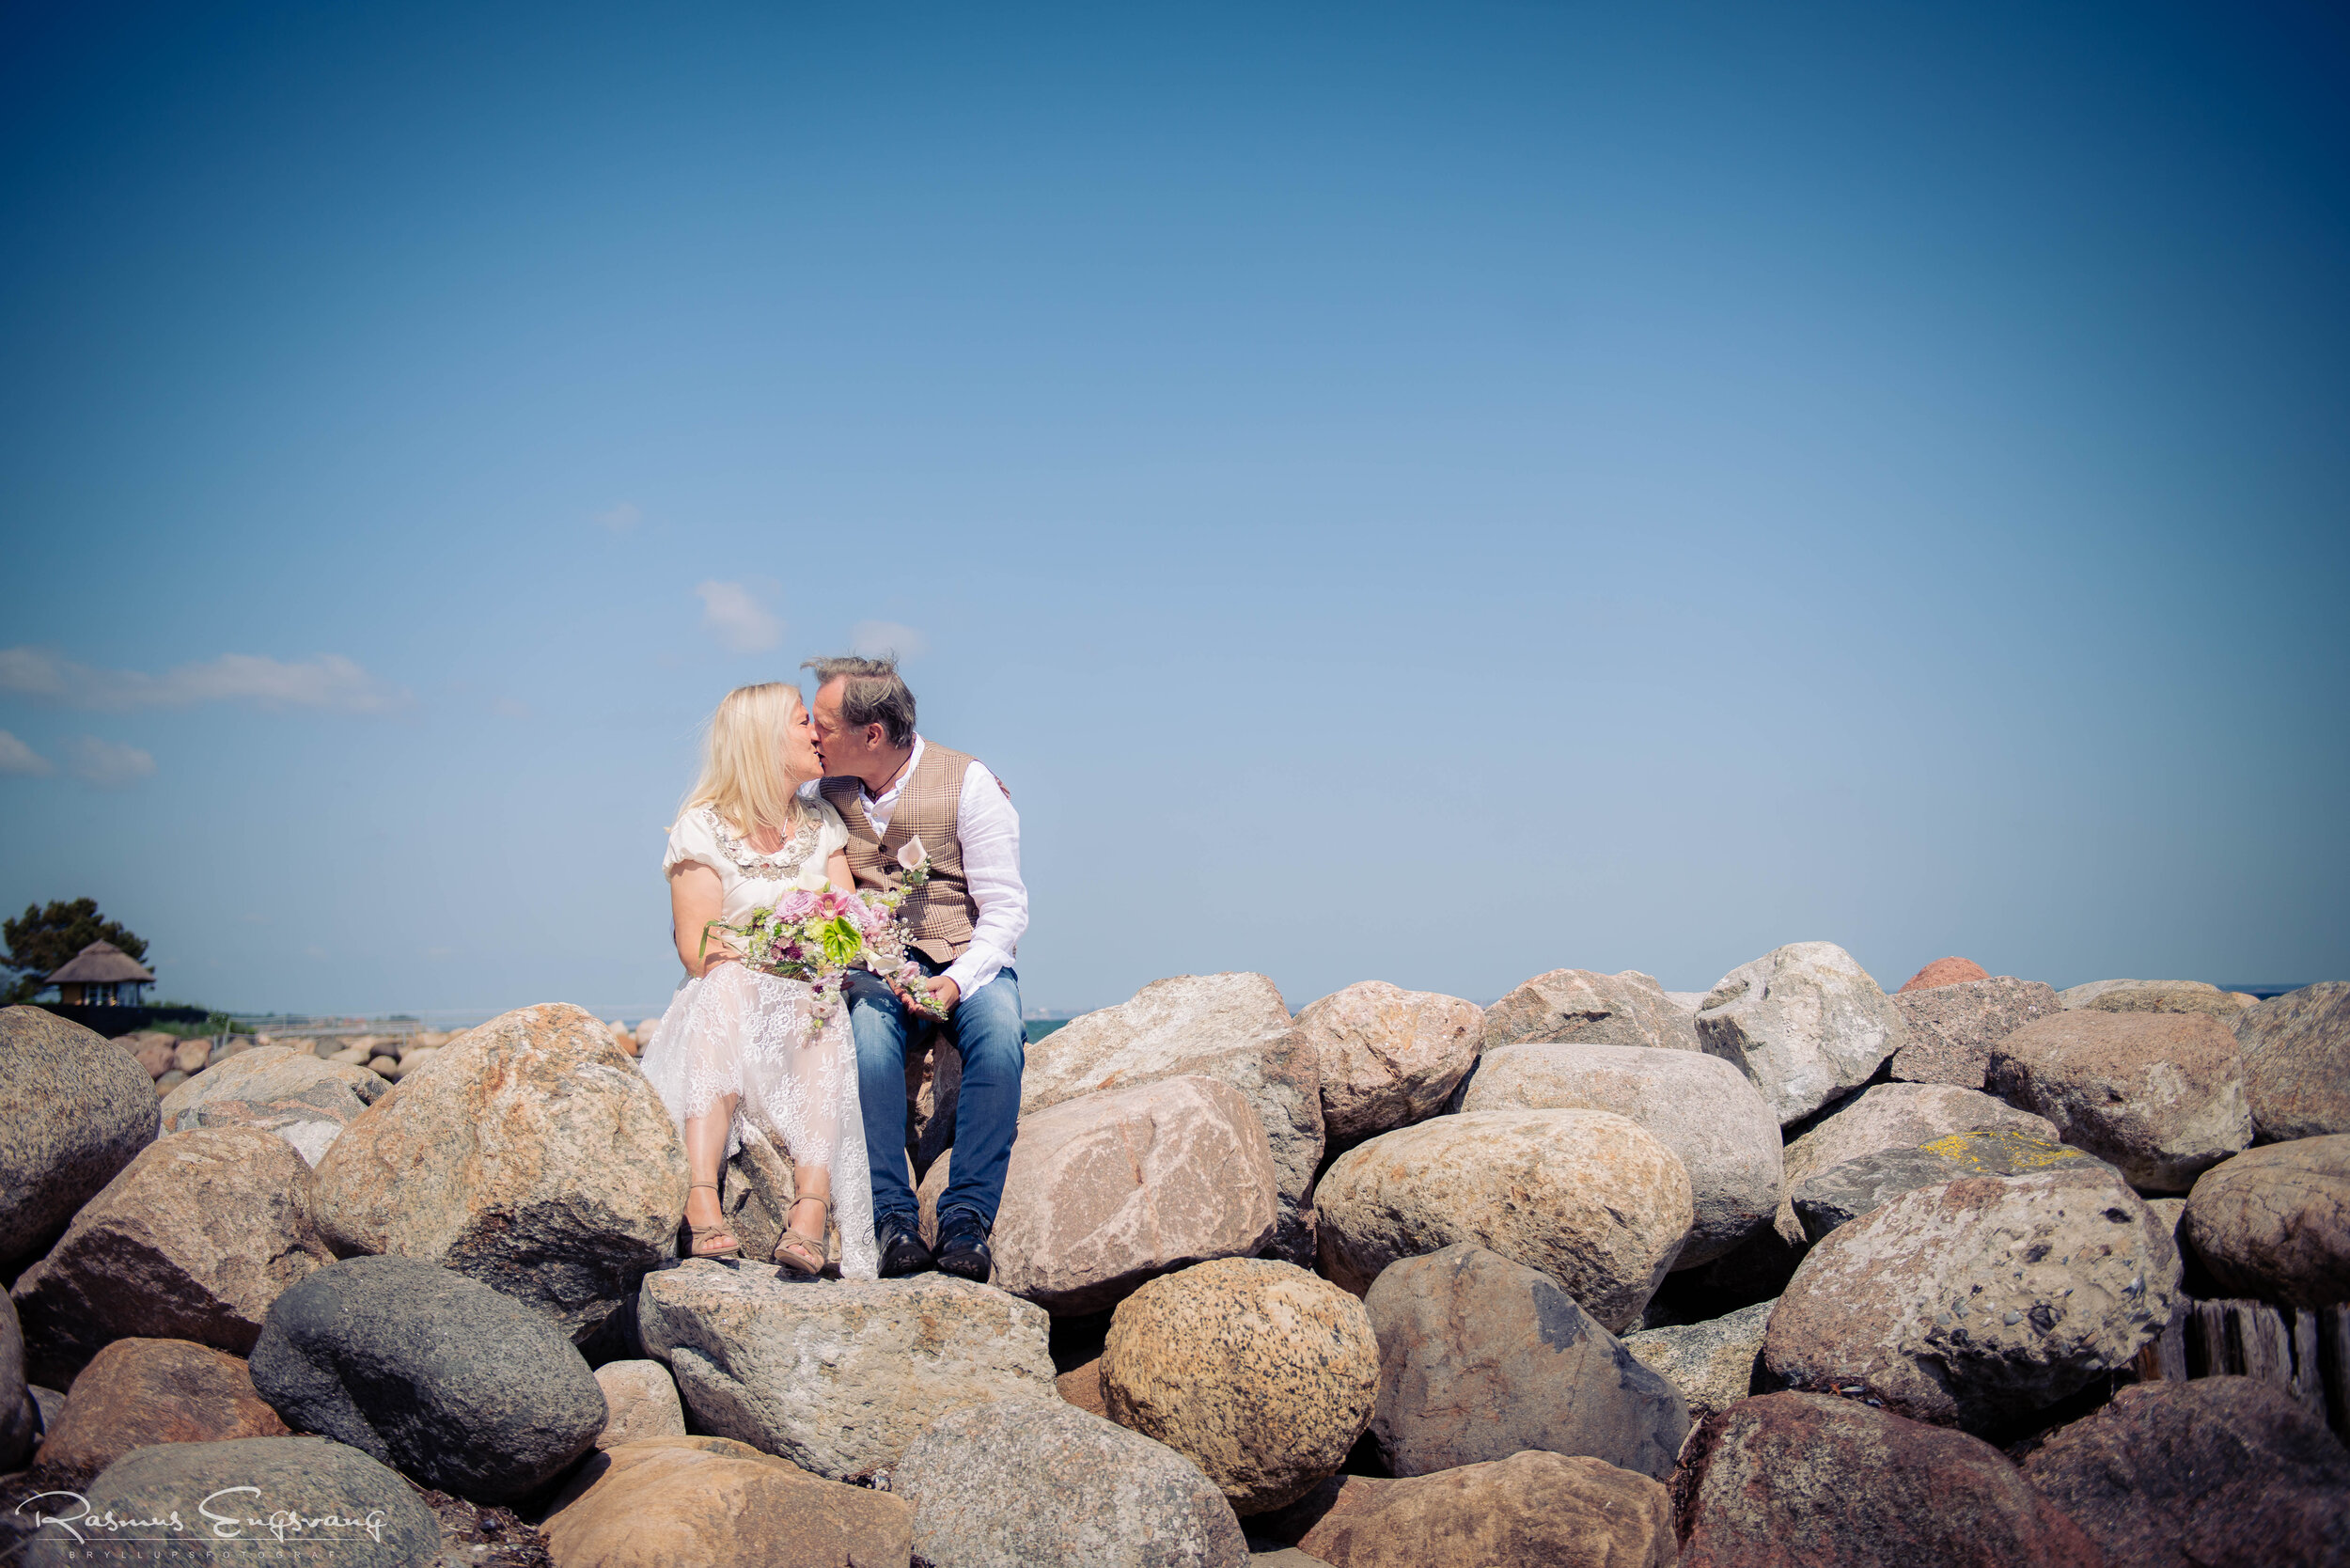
(740,623)
(21,760)
(621,516)
(106,764)
(877,639)
(329,681)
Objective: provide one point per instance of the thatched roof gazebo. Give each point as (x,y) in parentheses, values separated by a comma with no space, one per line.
(96,976)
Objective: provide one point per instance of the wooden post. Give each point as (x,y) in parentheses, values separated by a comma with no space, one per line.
(2267,1344)
(2333,1365)
(2163,1359)
(2309,1385)
(2212,1350)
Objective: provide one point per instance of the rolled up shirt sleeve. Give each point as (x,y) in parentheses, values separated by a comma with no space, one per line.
(989,831)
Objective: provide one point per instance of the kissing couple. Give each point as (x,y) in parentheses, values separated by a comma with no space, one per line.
(824,798)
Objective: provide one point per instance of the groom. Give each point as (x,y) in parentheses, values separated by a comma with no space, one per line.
(891,786)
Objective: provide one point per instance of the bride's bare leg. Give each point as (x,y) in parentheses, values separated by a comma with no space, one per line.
(705,1150)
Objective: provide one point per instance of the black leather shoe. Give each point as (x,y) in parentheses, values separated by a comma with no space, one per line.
(901,1249)
(962,1246)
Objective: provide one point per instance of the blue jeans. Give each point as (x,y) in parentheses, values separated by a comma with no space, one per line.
(987,1107)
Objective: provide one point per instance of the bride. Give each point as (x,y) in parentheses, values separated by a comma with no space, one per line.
(737,1058)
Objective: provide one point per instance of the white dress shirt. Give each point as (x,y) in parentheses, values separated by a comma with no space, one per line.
(988,831)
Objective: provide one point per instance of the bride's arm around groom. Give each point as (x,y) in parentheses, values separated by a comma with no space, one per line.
(892,785)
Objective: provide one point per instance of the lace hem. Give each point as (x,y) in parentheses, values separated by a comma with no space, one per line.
(752,1037)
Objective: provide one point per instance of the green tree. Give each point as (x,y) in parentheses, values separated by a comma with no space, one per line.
(43,939)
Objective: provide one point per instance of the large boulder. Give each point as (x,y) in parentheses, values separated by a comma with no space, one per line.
(837,1378)
(75,1108)
(2159,1095)
(2296,1062)
(193,1240)
(20,1416)
(1589,1197)
(1973,1302)
(1532,1510)
(1480,1357)
(1017,1484)
(1108,1190)
(431,1371)
(2222,1472)
(1798,1478)
(1828,1199)
(711,1502)
(2273,1222)
(1943,972)
(1232,1027)
(223,1503)
(640,1401)
(1698,1105)
(1841,1193)
(530,1154)
(138,1392)
(1902,1116)
(1253,1370)
(1953,1027)
(1805,1022)
(1578,1006)
(1387,1057)
(2156,996)
(1713,1364)
(303,1100)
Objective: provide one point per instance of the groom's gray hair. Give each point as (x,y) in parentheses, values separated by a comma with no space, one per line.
(875,693)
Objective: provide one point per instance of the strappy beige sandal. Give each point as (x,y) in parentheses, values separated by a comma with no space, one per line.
(695,1234)
(801,1254)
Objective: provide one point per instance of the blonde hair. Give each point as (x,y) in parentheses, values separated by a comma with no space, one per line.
(743,778)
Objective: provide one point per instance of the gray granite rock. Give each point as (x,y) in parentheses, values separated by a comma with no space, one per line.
(1804,1023)
(1900,1116)
(303,1100)
(74,1109)
(1481,1357)
(530,1154)
(1580,1006)
(1713,1364)
(1974,1302)
(1232,1027)
(192,1240)
(2273,1222)
(837,1376)
(431,1371)
(1807,1481)
(1022,1484)
(1843,1193)
(2296,1062)
(225,1496)
(2159,1094)
(2219,1472)
(1953,1027)
(1698,1105)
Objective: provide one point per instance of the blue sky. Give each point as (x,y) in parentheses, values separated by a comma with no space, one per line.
(1433,493)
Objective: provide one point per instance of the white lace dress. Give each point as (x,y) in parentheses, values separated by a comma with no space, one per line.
(749,1035)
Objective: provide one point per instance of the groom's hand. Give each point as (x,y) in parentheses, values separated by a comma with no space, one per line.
(946,993)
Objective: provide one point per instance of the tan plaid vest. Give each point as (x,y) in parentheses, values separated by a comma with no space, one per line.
(940,913)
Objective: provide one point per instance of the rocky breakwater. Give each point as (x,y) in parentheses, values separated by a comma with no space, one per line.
(1493,1363)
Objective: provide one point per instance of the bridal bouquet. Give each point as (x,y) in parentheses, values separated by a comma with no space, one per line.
(818,938)
(887,936)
